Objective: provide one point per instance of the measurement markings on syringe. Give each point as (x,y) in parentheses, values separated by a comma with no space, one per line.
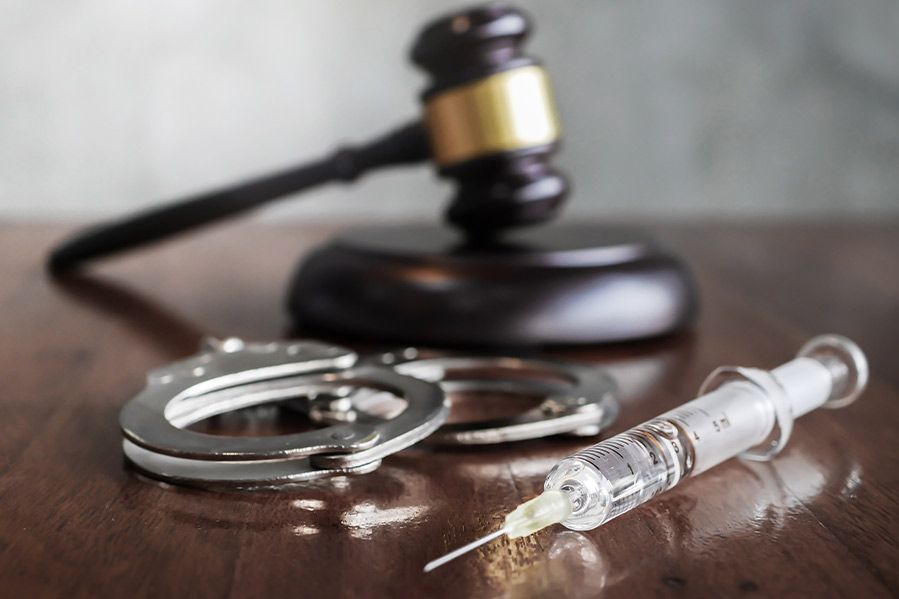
(686,419)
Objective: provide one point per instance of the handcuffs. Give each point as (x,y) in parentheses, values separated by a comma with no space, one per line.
(337,388)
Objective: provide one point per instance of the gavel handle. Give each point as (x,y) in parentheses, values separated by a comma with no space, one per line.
(405,145)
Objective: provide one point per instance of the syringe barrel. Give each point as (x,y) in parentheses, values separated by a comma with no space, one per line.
(742,414)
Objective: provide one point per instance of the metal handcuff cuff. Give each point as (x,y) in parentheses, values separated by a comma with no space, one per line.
(335,387)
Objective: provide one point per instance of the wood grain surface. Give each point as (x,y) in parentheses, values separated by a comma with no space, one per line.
(821,520)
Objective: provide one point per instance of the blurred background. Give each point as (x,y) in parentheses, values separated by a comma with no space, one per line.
(671,110)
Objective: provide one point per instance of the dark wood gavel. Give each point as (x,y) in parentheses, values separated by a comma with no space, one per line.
(489,124)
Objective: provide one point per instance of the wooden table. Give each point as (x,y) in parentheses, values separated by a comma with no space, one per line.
(76,521)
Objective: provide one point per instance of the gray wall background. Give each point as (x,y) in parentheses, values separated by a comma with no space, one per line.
(768,108)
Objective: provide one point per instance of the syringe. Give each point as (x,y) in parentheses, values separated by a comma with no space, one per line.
(743,412)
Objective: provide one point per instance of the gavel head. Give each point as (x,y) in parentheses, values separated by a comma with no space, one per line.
(490,119)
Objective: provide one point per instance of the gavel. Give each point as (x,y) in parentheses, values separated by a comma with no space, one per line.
(489,124)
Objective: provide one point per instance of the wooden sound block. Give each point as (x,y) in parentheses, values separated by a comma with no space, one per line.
(547,285)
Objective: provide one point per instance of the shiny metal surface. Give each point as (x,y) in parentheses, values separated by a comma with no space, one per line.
(506,111)
(208,474)
(231,375)
(577,399)
(155,417)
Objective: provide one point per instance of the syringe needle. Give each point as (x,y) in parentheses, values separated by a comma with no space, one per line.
(548,508)
(464,549)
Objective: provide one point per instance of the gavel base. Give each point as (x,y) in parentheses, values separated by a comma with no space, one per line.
(560,284)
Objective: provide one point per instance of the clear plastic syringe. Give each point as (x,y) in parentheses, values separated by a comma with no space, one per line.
(743,412)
